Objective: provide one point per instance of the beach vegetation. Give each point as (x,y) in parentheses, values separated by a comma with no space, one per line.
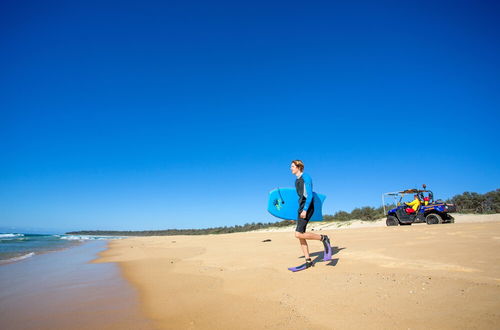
(204,231)
(365,213)
(468,202)
(471,202)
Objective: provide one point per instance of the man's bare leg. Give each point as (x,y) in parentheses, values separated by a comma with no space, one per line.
(310,236)
(303,237)
(304,247)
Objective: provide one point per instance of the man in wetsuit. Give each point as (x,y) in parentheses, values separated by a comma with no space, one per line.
(303,185)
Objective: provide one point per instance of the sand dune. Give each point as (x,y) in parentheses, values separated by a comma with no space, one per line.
(438,277)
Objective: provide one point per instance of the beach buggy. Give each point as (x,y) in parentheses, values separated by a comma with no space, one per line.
(429,211)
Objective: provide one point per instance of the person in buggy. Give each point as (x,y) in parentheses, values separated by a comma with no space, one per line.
(414,205)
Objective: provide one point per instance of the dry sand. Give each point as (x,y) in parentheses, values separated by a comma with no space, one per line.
(459,218)
(412,277)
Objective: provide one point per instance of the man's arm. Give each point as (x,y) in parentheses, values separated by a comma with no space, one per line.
(308,191)
(412,203)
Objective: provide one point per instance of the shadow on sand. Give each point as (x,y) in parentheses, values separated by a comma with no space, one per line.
(318,256)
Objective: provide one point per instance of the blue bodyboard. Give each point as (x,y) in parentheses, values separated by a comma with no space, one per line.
(283,203)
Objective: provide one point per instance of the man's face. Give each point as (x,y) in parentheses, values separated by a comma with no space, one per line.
(415,196)
(294,168)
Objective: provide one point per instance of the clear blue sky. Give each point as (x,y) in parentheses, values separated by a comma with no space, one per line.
(181,114)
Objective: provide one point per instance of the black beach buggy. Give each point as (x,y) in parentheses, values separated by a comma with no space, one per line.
(430,211)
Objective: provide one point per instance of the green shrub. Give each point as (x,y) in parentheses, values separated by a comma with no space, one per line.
(471,202)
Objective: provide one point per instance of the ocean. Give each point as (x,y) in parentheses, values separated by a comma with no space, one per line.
(18,246)
(64,289)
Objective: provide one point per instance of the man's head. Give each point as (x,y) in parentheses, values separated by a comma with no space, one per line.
(297,166)
(415,196)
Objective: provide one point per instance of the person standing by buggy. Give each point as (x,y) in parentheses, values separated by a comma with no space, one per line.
(304,186)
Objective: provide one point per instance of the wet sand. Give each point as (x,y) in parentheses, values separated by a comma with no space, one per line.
(419,277)
(62,290)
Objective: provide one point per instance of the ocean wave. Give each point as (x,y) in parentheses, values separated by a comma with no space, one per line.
(13,239)
(10,235)
(87,237)
(31,254)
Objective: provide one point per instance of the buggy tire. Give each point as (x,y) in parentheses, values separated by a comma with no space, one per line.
(433,219)
(391,221)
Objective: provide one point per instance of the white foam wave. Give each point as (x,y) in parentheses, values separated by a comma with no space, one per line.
(31,254)
(10,235)
(87,237)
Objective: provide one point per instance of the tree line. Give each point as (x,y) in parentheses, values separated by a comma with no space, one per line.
(170,232)
(471,202)
(468,202)
(365,213)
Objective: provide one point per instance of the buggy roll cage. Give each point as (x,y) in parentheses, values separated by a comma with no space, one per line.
(419,192)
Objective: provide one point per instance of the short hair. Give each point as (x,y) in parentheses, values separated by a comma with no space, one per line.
(299,164)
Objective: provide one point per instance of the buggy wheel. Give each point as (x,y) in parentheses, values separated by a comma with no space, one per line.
(450,219)
(391,221)
(433,219)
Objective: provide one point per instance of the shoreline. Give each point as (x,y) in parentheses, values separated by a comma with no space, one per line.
(31,254)
(238,281)
(64,290)
(17,256)
(21,246)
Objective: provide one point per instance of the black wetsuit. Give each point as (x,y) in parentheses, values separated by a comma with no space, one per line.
(303,185)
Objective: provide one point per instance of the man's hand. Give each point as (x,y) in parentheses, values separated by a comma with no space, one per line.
(303,214)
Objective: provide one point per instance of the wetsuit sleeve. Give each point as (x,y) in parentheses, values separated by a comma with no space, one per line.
(308,191)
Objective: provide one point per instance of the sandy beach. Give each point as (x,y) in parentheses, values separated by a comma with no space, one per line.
(153,152)
(412,277)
